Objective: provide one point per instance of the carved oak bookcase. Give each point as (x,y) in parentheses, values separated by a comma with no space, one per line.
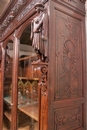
(43,66)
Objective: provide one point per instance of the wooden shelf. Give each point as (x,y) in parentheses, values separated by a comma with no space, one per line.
(7,100)
(8,115)
(31,110)
(26,78)
(27,57)
(39,63)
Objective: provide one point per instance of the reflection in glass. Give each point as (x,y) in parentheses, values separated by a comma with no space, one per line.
(28,106)
(8,85)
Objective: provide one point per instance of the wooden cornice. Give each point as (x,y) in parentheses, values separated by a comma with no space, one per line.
(12,10)
(7,10)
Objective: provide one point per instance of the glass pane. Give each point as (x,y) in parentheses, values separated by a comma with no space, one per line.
(8,85)
(28,107)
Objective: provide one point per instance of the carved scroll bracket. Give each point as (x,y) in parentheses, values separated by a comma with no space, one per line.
(43,80)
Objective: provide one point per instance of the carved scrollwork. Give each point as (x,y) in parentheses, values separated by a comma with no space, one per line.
(12,13)
(43,80)
(44,69)
(64,118)
(43,88)
(76,117)
(61,121)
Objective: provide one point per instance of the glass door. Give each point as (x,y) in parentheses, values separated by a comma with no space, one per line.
(25,88)
(28,102)
(7,102)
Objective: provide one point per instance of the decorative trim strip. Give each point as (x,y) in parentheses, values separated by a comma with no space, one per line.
(27,9)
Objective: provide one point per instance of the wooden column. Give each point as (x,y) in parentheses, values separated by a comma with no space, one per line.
(14,84)
(1,86)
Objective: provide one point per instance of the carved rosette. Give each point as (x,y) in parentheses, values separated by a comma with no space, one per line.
(43,80)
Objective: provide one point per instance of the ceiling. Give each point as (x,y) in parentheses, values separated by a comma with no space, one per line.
(3,4)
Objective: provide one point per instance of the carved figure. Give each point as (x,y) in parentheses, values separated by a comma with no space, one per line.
(39,31)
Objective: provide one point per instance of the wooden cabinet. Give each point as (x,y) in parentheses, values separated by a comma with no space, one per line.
(43,65)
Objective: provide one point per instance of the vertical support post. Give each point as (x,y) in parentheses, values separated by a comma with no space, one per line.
(15,84)
(44,98)
(2,86)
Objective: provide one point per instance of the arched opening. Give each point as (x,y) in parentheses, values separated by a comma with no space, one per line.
(30,58)
(28,104)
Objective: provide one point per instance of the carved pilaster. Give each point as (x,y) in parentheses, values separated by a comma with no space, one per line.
(44,97)
(43,93)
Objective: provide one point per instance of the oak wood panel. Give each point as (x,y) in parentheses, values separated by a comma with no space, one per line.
(66,76)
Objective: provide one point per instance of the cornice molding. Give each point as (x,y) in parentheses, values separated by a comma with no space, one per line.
(6,24)
(7,9)
(14,11)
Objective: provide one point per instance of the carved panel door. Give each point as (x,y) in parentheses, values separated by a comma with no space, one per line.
(66,69)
